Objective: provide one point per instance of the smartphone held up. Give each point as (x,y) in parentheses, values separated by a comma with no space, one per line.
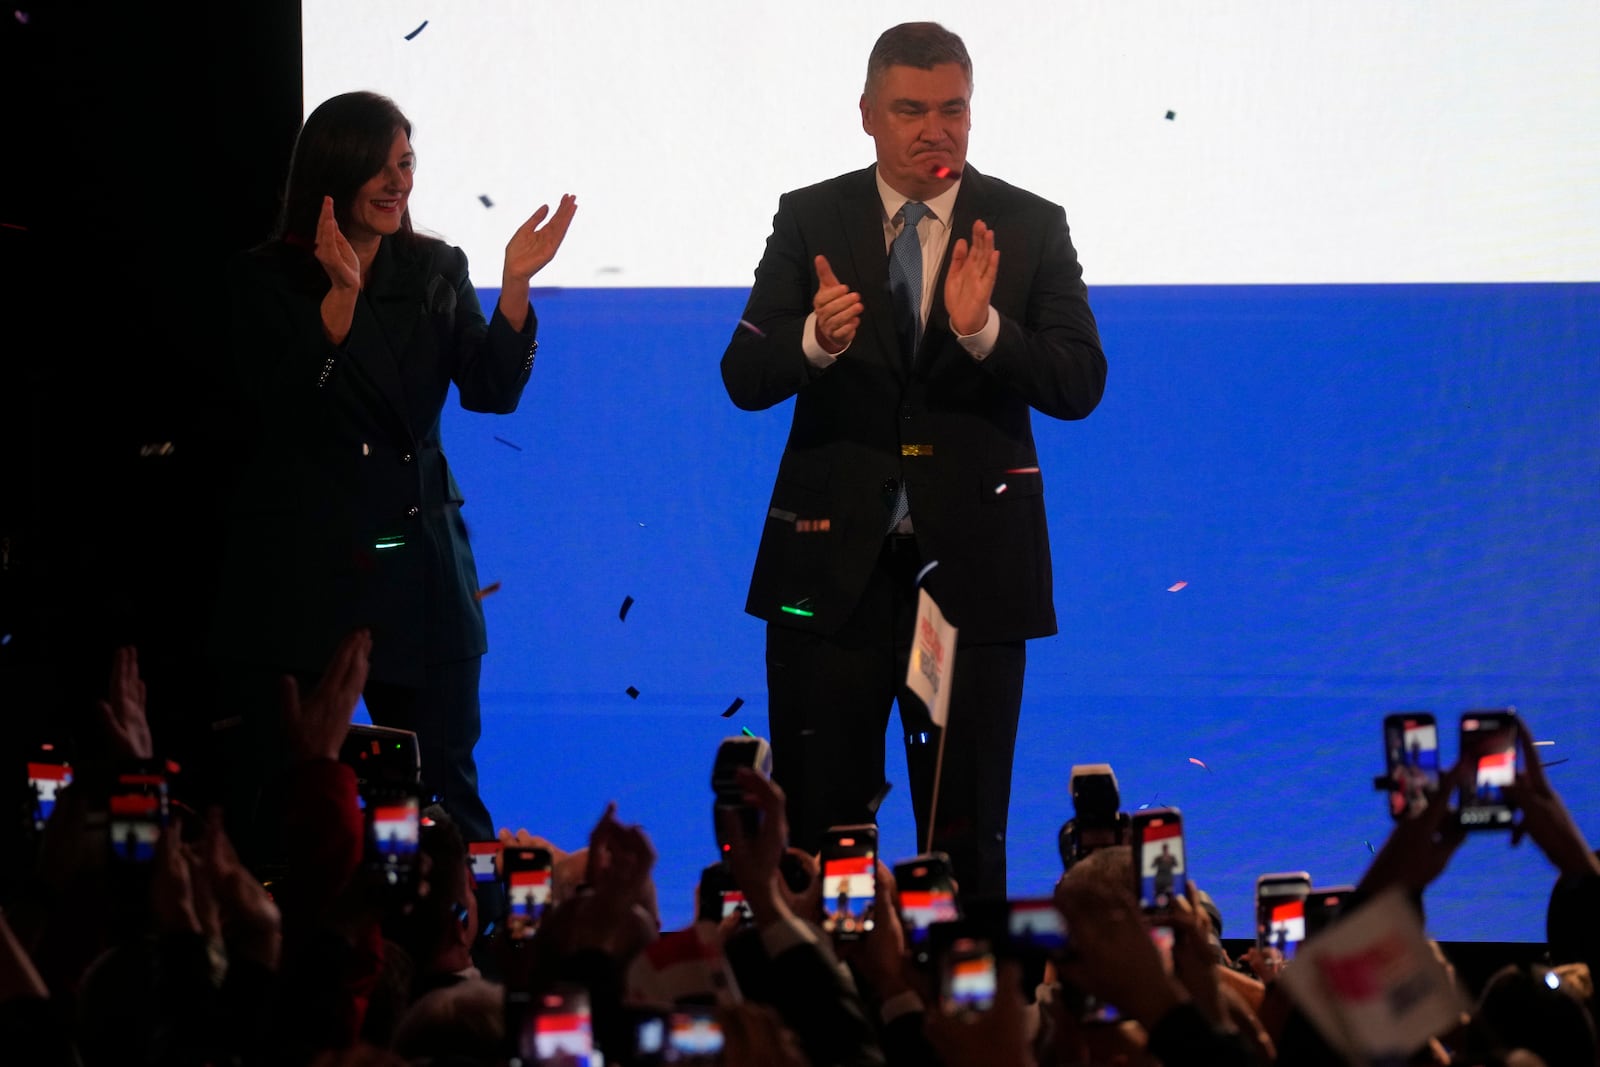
(849,880)
(1411,761)
(1489,746)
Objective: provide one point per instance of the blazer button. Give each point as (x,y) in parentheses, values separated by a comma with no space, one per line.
(890,485)
(412,511)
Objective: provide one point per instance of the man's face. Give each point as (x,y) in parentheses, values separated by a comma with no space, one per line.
(919,120)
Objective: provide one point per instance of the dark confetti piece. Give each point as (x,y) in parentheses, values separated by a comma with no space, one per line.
(418,30)
(634,693)
(485,201)
(1171,115)
(509,444)
(877,801)
(627,602)
(738,702)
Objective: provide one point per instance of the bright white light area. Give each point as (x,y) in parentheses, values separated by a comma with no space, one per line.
(1418,141)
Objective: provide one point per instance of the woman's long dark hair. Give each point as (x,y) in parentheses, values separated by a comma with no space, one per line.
(343,142)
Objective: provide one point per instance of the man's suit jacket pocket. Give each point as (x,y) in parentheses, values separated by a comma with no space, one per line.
(795,561)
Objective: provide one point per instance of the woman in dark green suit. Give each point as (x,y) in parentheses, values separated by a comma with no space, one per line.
(349,328)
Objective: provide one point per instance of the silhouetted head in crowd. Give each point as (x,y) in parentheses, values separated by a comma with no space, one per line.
(461,1023)
(1532,1008)
(442,925)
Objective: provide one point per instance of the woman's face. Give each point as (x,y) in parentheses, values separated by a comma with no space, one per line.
(381,201)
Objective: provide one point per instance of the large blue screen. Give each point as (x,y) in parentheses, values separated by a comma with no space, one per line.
(1381,497)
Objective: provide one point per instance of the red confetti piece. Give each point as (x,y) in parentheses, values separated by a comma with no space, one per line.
(746,324)
(1198,763)
(1175,586)
(491,588)
(946,172)
(812,525)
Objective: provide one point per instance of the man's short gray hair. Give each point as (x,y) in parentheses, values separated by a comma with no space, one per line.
(923,45)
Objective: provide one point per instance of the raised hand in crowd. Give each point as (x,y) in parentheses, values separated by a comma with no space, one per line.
(613,911)
(1001,1036)
(250,922)
(317,725)
(123,711)
(1544,817)
(1419,847)
(754,860)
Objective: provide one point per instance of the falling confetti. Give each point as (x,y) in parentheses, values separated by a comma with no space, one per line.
(747,731)
(999,488)
(416,31)
(946,172)
(20,16)
(926,567)
(1198,763)
(488,590)
(1175,586)
(483,198)
(1541,744)
(1023,470)
(812,525)
(634,693)
(509,444)
(794,610)
(1171,115)
(746,324)
(738,702)
(1371,849)
(1553,762)
(627,602)
(872,807)
(165,448)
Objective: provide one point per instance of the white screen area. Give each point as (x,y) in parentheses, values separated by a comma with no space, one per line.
(1427,141)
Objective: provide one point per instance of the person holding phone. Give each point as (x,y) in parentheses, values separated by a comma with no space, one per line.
(349,330)
(917,312)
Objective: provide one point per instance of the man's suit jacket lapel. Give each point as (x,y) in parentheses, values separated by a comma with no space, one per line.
(861,215)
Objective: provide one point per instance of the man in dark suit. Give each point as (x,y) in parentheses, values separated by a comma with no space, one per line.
(914,355)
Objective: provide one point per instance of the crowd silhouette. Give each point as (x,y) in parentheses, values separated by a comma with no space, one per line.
(192,957)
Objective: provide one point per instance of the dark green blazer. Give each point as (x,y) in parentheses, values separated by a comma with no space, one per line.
(345,513)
